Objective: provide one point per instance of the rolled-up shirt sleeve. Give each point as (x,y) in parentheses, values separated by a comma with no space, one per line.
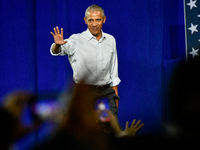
(67,48)
(114,67)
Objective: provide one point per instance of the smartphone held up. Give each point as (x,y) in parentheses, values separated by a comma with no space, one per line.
(102,107)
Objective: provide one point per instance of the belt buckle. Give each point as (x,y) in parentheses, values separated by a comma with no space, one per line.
(100,87)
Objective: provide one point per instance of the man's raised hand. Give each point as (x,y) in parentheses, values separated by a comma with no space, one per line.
(58,36)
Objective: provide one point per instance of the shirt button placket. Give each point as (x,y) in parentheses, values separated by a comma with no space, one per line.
(98,62)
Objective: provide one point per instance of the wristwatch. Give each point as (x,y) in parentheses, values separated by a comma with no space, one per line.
(117,97)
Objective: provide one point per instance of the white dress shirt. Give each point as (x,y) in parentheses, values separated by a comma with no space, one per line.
(92,60)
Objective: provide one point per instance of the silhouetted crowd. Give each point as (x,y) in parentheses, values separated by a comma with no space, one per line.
(83,127)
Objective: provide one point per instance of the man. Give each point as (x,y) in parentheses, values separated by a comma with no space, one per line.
(92,55)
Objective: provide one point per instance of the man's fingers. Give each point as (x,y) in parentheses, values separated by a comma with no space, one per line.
(61,31)
(52,34)
(55,30)
(58,32)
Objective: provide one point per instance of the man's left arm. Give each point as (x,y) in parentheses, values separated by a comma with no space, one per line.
(116,92)
(114,72)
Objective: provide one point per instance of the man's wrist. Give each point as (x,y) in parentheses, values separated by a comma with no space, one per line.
(57,45)
(117,98)
(56,49)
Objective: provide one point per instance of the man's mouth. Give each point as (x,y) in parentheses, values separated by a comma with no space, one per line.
(95,28)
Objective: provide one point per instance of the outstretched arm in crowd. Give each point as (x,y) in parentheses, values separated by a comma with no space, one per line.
(132,130)
(114,127)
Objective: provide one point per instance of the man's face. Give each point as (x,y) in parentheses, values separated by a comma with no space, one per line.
(95,21)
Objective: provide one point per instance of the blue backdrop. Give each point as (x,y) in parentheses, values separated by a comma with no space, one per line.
(150,41)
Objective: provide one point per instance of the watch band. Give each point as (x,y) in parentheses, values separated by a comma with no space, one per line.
(117,97)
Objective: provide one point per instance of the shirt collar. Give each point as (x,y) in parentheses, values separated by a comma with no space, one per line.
(90,36)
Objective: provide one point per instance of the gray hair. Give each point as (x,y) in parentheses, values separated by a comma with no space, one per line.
(94,8)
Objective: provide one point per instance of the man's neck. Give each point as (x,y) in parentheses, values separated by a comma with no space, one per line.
(98,36)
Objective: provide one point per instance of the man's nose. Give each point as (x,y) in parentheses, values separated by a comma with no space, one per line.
(94,23)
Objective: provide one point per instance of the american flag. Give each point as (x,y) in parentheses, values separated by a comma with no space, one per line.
(192,29)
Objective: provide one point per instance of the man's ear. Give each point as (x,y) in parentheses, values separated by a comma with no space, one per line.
(85,20)
(104,19)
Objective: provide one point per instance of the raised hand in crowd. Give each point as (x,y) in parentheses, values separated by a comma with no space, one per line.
(132,130)
(113,127)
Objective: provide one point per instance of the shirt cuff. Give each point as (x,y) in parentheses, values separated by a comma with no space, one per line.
(115,82)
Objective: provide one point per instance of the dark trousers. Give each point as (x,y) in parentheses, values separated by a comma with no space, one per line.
(110,94)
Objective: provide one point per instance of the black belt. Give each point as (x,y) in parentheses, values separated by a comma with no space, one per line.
(101,87)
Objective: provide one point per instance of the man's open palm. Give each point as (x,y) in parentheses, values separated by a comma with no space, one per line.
(58,36)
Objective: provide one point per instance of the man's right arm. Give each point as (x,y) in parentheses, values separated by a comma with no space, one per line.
(56,49)
(58,39)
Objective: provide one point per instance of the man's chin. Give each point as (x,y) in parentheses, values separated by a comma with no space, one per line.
(94,32)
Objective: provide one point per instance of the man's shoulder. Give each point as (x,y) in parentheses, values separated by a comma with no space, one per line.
(78,36)
(83,34)
(108,36)
(74,36)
